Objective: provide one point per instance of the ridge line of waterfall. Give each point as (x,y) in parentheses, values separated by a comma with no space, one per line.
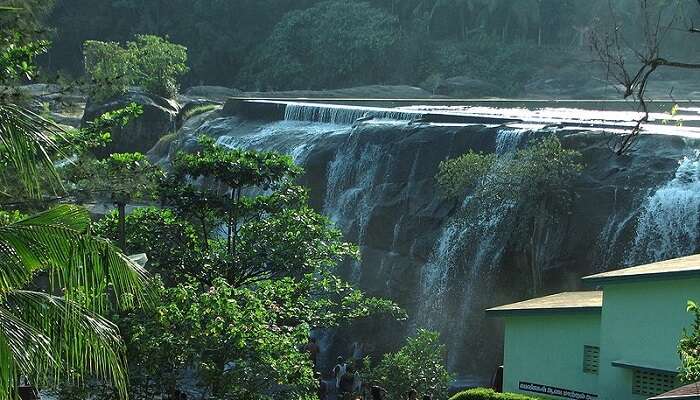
(343,114)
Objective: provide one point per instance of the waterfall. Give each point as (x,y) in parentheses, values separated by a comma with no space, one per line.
(342,114)
(669,221)
(294,138)
(348,200)
(466,250)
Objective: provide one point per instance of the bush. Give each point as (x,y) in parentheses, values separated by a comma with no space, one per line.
(420,365)
(149,61)
(489,394)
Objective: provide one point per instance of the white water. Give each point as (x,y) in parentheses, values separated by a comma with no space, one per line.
(669,222)
(341,114)
(445,275)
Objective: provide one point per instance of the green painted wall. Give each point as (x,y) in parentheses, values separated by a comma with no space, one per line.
(547,349)
(641,323)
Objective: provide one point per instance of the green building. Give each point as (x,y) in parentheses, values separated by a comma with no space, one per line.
(616,343)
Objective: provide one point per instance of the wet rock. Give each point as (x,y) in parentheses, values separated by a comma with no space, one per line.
(140,135)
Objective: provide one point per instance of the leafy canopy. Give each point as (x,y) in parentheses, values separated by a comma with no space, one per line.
(689,348)
(419,365)
(149,61)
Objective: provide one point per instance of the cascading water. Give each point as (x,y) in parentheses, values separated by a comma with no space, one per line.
(341,114)
(466,249)
(669,222)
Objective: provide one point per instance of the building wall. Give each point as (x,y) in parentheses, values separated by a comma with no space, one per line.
(641,323)
(547,349)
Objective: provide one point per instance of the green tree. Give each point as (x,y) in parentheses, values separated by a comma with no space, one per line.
(537,180)
(171,243)
(45,336)
(125,177)
(689,348)
(419,365)
(148,61)
(337,42)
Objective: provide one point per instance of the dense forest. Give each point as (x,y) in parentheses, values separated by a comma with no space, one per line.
(262,45)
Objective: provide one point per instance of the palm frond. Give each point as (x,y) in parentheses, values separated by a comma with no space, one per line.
(22,349)
(81,343)
(59,241)
(25,141)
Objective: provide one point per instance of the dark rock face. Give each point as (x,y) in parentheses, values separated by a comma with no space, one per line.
(158,118)
(376,181)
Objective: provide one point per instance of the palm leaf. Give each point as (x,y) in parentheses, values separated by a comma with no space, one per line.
(58,240)
(25,140)
(80,343)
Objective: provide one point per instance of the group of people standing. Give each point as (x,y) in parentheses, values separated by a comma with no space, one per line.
(346,382)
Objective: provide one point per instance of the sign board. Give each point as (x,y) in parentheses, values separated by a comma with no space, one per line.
(555,391)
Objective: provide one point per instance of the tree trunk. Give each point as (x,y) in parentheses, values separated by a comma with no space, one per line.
(121,207)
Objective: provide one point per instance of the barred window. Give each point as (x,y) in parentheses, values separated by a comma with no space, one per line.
(591,359)
(648,383)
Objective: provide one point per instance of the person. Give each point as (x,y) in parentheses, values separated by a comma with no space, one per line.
(412,395)
(313,350)
(346,382)
(357,381)
(339,370)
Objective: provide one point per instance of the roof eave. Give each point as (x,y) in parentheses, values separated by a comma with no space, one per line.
(541,311)
(597,280)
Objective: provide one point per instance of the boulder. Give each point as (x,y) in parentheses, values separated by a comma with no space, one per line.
(158,119)
(466,87)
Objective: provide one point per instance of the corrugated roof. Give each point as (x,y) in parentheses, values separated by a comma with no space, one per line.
(687,392)
(681,267)
(567,301)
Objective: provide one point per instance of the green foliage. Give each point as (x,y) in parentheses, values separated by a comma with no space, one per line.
(171,243)
(49,338)
(419,365)
(536,180)
(122,176)
(230,336)
(689,348)
(336,42)
(198,110)
(149,61)
(97,133)
(464,172)
(489,394)
(17,58)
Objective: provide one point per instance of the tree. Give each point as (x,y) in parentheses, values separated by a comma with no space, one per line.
(419,365)
(124,176)
(44,336)
(537,180)
(689,348)
(631,56)
(171,243)
(149,61)
(266,235)
(339,43)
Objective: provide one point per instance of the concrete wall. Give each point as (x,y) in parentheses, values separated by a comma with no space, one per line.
(547,349)
(642,323)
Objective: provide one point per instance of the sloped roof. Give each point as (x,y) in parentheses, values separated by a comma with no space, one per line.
(561,302)
(687,392)
(677,267)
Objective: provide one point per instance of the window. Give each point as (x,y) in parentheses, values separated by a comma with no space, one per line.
(591,359)
(649,383)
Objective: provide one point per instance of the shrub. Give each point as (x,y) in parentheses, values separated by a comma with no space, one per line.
(489,394)
(149,61)
(420,365)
